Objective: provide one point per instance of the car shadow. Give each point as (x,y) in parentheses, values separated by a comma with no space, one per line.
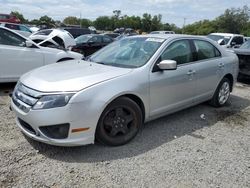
(153,135)
(244,81)
(6,88)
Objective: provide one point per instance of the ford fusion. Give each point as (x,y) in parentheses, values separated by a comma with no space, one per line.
(131,81)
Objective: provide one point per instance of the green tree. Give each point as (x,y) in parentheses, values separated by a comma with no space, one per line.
(46,20)
(103,23)
(85,22)
(71,20)
(233,20)
(146,22)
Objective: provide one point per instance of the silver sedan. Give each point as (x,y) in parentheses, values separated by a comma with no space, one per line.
(131,81)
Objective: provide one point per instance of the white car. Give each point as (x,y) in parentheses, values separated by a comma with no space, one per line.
(227,40)
(19,28)
(20,55)
(53,37)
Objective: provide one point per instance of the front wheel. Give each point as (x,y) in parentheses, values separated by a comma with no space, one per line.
(119,122)
(222,93)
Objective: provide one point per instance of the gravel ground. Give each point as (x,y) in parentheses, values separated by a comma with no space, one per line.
(179,150)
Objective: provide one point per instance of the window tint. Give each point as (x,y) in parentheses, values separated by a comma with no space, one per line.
(95,39)
(4,17)
(23,28)
(205,50)
(107,39)
(179,51)
(12,26)
(9,38)
(238,40)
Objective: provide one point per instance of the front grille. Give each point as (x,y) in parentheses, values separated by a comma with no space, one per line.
(26,126)
(24,98)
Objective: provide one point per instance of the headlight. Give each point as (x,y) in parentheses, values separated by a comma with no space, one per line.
(52,101)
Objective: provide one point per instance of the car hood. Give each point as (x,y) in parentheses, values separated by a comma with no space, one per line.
(242,51)
(66,53)
(70,76)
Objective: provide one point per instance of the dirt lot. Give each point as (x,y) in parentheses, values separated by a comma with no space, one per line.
(180,150)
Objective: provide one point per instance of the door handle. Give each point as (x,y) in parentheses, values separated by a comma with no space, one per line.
(191,72)
(221,65)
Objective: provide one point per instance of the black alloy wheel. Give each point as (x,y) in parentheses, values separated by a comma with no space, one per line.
(119,122)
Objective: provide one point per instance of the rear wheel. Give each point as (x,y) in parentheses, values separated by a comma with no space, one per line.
(222,93)
(119,122)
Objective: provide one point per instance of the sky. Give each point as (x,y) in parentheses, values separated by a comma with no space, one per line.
(172,11)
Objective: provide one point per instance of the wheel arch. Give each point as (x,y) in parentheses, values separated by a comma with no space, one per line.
(65,59)
(231,79)
(138,101)
(135,98)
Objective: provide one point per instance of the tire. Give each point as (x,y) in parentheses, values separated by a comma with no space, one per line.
(119,123)
(222,93)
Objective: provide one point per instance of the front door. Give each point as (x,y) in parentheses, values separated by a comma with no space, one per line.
(173,89)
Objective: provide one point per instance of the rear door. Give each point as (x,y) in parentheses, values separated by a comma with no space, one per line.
(209,69)
(16,59)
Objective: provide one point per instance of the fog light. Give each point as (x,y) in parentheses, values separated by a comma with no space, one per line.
(59,131)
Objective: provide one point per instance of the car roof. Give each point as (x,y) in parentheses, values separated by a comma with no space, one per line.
(170,36)
(226,34)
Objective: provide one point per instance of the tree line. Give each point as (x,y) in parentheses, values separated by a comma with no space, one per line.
(234,20)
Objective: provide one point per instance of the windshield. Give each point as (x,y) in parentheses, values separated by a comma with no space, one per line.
(130,52)
(82,39)
(218,37)
(245,45)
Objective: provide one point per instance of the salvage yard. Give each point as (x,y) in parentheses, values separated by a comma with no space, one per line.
(198,147)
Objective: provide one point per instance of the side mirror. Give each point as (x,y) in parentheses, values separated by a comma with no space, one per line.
(167,65)
(221,42)
(29,44)
(90,42)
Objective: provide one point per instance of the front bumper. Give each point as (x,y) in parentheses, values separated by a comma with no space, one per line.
(71,114)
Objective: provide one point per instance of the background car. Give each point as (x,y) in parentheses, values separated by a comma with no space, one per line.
(129,82)
(227,40)
(162,32)
(20,55)
(9,18)
(88,44)
(19,28)
(53,38)
(112,35)
(76,32)
(243,54)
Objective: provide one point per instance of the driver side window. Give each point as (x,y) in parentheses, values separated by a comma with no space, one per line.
(11,39)
(180,51)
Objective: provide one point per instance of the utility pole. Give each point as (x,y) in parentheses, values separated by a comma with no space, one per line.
(184,23)
(80,20)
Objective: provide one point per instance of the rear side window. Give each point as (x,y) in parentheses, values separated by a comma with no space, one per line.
(107,39)
(205,50)
(238,40)
(179,51)
(96,39)
(4,16)
(44,32)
